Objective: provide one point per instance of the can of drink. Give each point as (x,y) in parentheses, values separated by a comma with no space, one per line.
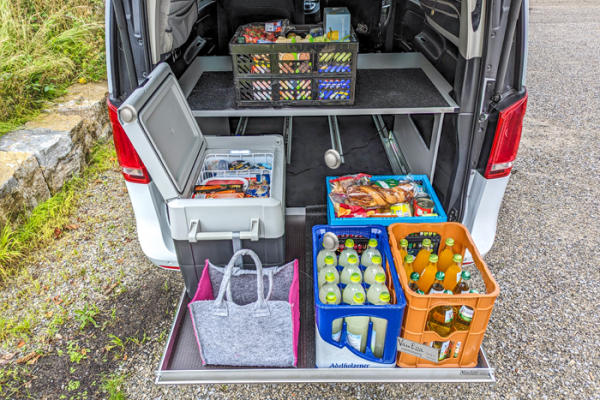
(401,210)
(423,206)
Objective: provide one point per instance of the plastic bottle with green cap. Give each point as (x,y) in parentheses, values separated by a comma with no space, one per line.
(438,285)
(376,288)
(446,255)
(347,252)
(329,287)
(336,327)
(369,253)
(408,265)
(423,257)
(323,254)
(352,288)
(379,326)
(454,273)
(329,267)
(403,247)
(412,284)
(463,285)
(372,270)
(357,327)
(428,275)
(350,269)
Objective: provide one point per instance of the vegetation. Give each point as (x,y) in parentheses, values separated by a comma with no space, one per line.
(46,45)
(112,385)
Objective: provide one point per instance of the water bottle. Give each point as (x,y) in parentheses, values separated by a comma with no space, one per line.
(322,256)
(352,288)
(329,287)
(379,326)
(376,289)
(347,252)
(350,269)
(337,324)
(357,327)
(369,253)
(373,270)
(329,267)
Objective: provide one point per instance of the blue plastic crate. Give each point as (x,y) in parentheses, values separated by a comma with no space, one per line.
(327,313)
(386,221)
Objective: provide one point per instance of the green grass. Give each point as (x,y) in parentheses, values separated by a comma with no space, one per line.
(112,385)
(46,45)
(26,234)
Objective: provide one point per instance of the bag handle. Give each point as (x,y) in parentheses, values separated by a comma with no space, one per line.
(261,308)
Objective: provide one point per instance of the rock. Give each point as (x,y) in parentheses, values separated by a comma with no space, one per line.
(22,184)
(56,141)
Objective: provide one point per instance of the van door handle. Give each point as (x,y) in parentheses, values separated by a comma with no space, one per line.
(195,235)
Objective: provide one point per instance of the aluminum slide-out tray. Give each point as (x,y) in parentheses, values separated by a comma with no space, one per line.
(181,363)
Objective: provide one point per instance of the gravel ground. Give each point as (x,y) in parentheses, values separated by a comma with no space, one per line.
(543,337)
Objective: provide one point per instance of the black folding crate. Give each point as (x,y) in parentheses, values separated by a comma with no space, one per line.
(297,74)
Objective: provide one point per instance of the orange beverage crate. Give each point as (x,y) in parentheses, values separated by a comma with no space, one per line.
(418,306)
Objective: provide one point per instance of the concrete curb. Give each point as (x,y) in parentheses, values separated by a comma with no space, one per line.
(38,159)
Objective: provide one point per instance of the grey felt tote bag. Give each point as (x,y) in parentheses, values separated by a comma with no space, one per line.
(254,319)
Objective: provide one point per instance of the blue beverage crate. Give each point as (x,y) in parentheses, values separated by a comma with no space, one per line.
(386,221)
(393,313)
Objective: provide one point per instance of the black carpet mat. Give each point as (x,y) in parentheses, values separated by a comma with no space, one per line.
(375,88)
(306,174)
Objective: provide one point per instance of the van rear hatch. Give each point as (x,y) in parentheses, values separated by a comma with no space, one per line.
(181,362)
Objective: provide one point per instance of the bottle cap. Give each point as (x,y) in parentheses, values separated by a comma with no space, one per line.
(329,260)
(440,276)
(329,277)
(331,241)
(384,297)
(352,259)
(466,275)
(403,243)
(457,258)
(349,243)
(409,259)
(448,292)
(433,258)
(450,242)
(355,277)
(331,298)
(373,242)
(414,276)
(359,298)
(420,291)
(380,278)
(426,242)
(376,259)
(474,291)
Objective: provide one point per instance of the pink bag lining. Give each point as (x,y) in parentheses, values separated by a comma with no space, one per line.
(205,292)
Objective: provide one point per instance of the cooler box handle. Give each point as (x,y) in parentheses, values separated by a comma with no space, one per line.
(195,235)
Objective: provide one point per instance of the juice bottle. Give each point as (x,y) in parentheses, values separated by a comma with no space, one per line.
(329,267)
(321,258)
(357,327)
(440,320)
(352,288)
(428,273)
(438,286)
(329,287)
(350,269)
(443,347)
(403,247)
(369,253)
(420,262)
(336,328)
(463,319)
(408,265)
(373,270)
(453,273)
(414,278)
(347,252)
(463,286)
(376,288)
(446,256)
(379,327)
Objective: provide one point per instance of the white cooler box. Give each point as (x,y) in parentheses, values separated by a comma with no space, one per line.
(160,124)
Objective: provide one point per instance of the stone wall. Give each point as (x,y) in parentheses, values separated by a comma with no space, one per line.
(37,160)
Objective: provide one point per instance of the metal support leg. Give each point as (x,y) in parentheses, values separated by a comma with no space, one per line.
(241,128)
(392,150)
(336,141)
(287,136)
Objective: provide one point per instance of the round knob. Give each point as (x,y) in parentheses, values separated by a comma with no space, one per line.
(333,159)
(331,241)
(127,114)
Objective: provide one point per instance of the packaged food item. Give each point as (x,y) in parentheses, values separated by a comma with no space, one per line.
(423,206)
(263,166)
(219,188)
(215,165)
(257,189)
(239,165)
(402,210)
(219,195)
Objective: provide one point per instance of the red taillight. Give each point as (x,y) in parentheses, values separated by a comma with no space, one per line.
(169,267)
(506,141)
(132,167)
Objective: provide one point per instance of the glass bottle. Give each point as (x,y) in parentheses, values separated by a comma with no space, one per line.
(428,274)
(438,286)
(453,273)
(446,256)
(423,257)
(440,320)
(408,265)
(463,285)
(403,247)
(414,278)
